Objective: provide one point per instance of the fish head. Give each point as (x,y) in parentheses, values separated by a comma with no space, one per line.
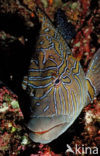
(51,109)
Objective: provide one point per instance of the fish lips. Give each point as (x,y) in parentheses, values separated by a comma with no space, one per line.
(46,129)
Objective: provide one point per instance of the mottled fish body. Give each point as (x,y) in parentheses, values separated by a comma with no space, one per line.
(56,84)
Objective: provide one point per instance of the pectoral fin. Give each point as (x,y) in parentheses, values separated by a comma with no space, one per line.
(93,76)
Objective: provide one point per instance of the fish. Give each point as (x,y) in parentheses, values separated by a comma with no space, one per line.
(56,84)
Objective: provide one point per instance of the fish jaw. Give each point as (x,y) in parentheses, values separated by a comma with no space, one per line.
(46,129)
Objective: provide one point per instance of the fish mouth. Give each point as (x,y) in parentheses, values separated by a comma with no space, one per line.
(46,129)
(42,132)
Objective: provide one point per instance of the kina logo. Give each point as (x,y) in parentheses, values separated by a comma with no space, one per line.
(69,149)
(82,150)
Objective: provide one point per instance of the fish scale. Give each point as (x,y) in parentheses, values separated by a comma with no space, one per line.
(56,84)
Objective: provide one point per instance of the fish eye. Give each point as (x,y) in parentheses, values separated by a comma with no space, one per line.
(57,81)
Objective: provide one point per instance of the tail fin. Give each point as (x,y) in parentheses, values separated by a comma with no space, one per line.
(93,76)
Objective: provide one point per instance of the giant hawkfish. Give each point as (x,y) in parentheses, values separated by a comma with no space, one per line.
(56,84)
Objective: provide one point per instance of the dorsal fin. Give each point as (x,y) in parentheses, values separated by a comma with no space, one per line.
(66,29)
